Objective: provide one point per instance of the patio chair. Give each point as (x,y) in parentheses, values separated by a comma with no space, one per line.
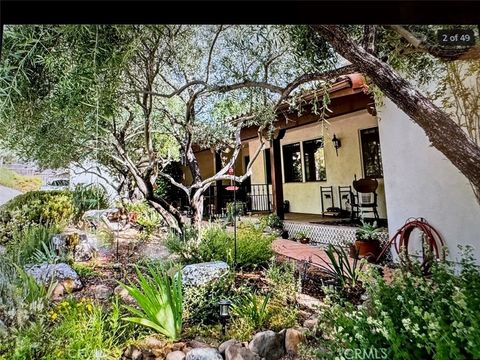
(365,199)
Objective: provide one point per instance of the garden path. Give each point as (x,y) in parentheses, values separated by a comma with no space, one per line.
(6,194)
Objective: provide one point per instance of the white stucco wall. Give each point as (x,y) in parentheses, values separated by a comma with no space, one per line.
(304,197)
(421,182)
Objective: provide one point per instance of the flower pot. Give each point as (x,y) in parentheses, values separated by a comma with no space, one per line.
(284,234)
(304,240)
(367,248)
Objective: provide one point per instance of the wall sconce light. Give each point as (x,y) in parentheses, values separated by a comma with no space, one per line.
(336,143)
(224,312)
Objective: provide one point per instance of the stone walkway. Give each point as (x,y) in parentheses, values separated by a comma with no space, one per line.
(301,252)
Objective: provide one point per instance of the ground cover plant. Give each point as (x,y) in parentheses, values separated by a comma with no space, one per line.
(413,317)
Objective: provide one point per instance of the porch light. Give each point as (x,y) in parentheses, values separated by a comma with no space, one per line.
(224,312)
(336,143)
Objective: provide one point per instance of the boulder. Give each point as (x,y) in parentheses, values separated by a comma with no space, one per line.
(203,273)
(83,246)
(63,273)
(311,323)
(293,338)
(102,292)
(238,352)
(203,354)
(308,302)
(124,295)
(176,355)
(223,346)
(268,344)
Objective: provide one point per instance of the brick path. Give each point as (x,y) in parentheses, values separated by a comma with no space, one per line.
(301,252)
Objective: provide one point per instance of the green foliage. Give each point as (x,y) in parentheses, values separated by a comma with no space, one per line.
(144,216)
(413,317)
(282,281)
(35,207)
(339,266)
(29,242)
(11,179)
(159,297)
(216,244)
(47,253)
(253,309)
(270,220)
(368,231)
(200,303)
(88,197)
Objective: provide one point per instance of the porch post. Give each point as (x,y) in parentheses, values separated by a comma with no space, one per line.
(218,184)
(276,172)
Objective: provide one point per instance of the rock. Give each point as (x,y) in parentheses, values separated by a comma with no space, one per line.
(3,249)
(238,352)
(203,354)
(176,355)
(178,346)
(63,273)
(136,355)
(203,273)
(124,295)
(308,302)
(102,292)
(153,343)
(268,345)
(293,338)
(86,248)
(223,346)
(194,344)
(311,323)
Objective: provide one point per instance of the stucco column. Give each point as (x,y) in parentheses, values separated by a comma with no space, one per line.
(276,171)
(218,184)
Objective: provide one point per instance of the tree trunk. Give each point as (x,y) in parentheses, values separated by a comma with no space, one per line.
(444,134)
(197,206)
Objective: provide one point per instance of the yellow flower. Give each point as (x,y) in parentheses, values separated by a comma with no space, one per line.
(89,307)
(53,315)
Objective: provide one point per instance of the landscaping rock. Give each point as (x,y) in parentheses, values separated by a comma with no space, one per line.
(197,344)
(63,273)
(293,338)
(86,248)
(176,355)
(311,323)
(3,249)
(223,346)
(136,355)
(203,354)
(268,345)
(238,352)
(102,292)
(124,295)
(203,273)
(308,302)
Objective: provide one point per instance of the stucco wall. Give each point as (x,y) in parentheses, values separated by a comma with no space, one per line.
(421,182)
(304,197)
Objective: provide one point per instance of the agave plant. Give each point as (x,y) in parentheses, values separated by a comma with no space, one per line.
(368,231)
(159,298)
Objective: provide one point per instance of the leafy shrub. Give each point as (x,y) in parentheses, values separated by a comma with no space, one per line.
(27,244)
(282,281)
(88,197)
(413,317)
(200,303)
(270,220)
(216,244)
(35,207)
(159,297)
(145,217)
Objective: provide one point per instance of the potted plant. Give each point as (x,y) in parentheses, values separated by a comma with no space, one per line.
(367,243)
(302,237)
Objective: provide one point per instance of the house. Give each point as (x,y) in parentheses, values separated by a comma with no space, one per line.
(301,164)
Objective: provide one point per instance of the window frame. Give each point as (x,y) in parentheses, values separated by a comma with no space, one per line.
(284,164)
(362,152)
(304,162)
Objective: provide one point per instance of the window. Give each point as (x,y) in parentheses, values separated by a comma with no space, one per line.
(268,167)
(292,163)
(371,155)
(314,158)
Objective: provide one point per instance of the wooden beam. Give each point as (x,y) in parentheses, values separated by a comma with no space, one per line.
(277,183)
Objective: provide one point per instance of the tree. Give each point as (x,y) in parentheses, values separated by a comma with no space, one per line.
(377,50)
(138,98)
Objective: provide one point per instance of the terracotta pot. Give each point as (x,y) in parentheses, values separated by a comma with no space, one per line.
(369,248)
